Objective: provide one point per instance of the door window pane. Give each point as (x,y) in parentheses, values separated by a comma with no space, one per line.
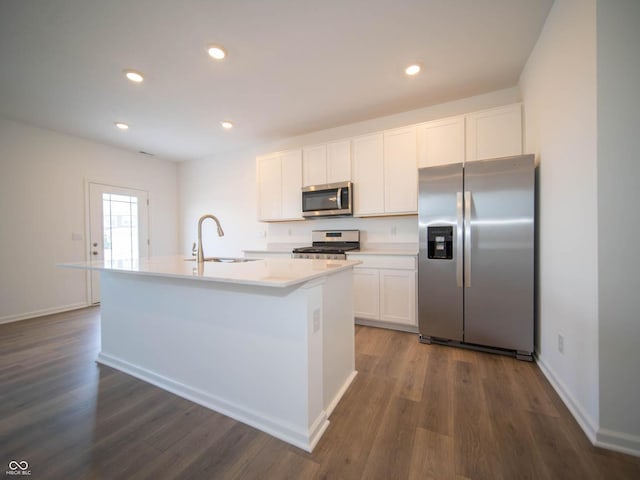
(120,227)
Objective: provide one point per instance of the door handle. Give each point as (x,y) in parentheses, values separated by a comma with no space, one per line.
(467,239)
(339,198)
(459,258)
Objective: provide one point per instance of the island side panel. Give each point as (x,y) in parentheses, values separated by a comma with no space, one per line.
(248,352)
(338,338)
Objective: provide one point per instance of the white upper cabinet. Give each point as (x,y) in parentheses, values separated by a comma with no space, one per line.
(314,165)
(384,166)
(385,173)
(368,175)
(269,171)
(279,184)
(328,163)
(400,171)
(441,142)
(339,161)
(494,133)
(291,185)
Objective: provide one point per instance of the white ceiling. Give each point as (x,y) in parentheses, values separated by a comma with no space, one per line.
(293,66)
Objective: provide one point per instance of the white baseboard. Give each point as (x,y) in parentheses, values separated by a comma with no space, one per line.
(388,325)
(618,442)
(332,404)
(600,437)
(305,440)
(588,425)
(42,313)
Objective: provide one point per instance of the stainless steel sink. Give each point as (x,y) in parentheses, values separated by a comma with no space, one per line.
(223,259)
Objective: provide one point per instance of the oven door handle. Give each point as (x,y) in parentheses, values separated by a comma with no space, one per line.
(339,198)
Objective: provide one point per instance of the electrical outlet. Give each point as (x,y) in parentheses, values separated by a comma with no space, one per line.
(561,343)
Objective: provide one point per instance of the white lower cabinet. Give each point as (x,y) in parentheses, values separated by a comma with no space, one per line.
(385,291)
(397,296)
(366,291)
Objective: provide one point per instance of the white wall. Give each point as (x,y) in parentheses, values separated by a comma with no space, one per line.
(226,186)
(559,94)
(42,202)
(619,221)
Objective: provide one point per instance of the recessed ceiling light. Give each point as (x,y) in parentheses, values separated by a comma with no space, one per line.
(226,124)
(217,52)
(133,76)
(412,70)
(122,126)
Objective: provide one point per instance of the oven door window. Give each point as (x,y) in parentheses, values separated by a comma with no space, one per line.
(320,200)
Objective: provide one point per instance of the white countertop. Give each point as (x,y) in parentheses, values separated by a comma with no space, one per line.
(276,248)
(276,272)
(372,249)
(394,252)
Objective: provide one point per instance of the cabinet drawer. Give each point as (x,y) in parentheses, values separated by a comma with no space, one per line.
(402,262)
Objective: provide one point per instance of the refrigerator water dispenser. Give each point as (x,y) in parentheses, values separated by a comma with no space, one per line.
(440,243)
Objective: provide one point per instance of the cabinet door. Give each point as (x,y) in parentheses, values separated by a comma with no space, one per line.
(441,142)
(494,133)
(368,175)
(339,162)
(269,187)
(366,293)
(291,185)
(400,171)
(314,165)
(398,296)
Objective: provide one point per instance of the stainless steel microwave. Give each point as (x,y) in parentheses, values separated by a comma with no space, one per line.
(330,200)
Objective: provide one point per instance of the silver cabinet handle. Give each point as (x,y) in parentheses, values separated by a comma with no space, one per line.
(339,198)
(459,218)
(467,239)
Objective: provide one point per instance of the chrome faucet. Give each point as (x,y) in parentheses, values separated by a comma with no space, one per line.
(200,252)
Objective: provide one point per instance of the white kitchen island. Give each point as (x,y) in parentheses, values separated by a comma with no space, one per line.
(269,342)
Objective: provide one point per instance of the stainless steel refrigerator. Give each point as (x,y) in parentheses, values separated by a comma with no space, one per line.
(476,257)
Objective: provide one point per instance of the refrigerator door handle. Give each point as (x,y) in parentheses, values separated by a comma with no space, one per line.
(459,217)
(467,239)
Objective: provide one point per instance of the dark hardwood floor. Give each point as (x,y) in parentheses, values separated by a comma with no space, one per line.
(413,412)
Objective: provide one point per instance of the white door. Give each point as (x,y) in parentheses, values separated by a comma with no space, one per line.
(118,227)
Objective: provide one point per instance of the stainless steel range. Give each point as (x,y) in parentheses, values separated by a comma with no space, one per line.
(330,244)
